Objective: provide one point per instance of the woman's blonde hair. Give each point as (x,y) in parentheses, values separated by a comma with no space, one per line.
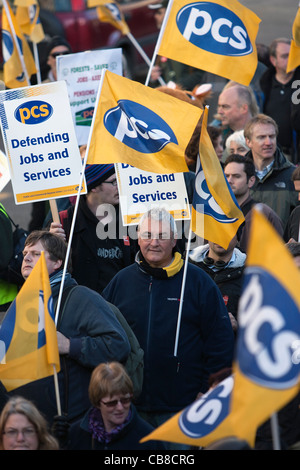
(19,405)
(109,379)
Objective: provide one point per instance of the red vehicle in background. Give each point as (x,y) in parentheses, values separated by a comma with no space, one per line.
(83,30)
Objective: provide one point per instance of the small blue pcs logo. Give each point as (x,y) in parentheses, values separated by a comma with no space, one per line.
(33,112)
(214,28)
(138,127)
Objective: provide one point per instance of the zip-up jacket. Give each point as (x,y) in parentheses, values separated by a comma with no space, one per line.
(205,342)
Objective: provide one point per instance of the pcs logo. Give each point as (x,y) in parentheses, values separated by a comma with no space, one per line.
(138,127)
(267,334)
(33,112)
(214,28)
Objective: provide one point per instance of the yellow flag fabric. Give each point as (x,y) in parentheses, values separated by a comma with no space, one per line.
(140,126)
(27,16)
(294,55)
(215,35)
(109,11)
(266,367)
(216,215)
(14,76)
(296,28)
(203,422)
(28,340)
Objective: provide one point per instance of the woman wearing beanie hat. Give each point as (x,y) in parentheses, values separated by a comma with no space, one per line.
(56,46)
(100,246)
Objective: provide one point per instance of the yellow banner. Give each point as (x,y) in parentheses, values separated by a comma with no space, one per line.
(267,353)
(28,341)
(216,215)
(14,74)
(217,36)
(140,126)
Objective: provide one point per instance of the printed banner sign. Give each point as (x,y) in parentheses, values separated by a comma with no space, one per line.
(140,190)
(4,171)
(40,141)
(82,73)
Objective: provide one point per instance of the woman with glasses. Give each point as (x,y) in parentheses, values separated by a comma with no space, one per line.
(112,423)
(22,427)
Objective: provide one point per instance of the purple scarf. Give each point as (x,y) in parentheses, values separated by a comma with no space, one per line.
(96,426)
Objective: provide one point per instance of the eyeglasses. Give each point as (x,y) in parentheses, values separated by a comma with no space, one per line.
(112,404)
(13,433)
(113,182)
(56,54)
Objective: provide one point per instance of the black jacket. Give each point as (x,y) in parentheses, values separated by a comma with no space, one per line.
(80,437)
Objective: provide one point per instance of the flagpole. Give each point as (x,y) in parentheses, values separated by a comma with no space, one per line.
(143,54)
(157,46)
(275,431)
(182,291)
(77,201)
(56,390)
(37,62)
(21,57)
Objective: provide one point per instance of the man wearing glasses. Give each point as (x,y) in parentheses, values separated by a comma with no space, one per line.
(177,362)
(100,246)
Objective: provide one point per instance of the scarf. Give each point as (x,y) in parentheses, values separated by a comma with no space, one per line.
(96,426)
(162,273)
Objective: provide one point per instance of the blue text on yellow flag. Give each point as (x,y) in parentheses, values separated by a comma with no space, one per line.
(266,365)
(140,126)
(27,16)
(213,35)
(203,422)
(216,215)
(28,341)
(14,74)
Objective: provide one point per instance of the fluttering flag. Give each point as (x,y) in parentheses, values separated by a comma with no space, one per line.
(216,215)
(140,126)
(109,12)
(294,54)
(27,16)
(28,340)
(266,367)
(17,68)
(205,421)
(216,35)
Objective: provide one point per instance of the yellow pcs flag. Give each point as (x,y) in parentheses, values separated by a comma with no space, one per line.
(215,35)
(294,54)
(205,421)
(27,16)
(266,366)
(140,126)
(216,215)
(109,12)
(28,340)
(14,74)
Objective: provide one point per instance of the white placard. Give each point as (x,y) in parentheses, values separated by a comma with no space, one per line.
(40,141)
(4,171)
(141,190)
(82,72)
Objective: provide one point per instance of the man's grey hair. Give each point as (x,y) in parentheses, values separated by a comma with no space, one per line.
(161,215)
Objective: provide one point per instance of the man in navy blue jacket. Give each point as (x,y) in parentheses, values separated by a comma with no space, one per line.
(148,295)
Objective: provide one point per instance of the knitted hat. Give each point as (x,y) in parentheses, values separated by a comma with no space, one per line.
(96,174)
(57,41)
